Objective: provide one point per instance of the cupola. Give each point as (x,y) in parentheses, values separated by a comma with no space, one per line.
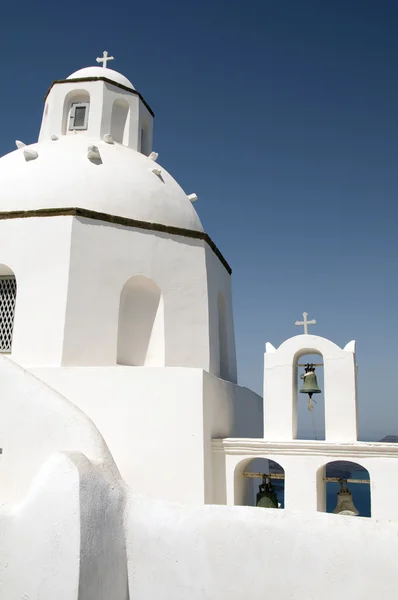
(98,101)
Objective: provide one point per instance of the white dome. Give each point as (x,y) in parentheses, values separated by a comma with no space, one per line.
(101,72)
(123,184)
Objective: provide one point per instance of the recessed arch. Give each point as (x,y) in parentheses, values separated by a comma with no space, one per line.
(119,121)
(327,491)
(141,337)
(246,488)
(8,298)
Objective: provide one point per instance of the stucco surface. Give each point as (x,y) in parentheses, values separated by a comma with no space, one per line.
(159,422)
(122,184)
(101,72)
(65,540)
(37,422)
(241,552)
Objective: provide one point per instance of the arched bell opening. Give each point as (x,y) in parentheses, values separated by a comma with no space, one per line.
(260,482)
(308,395)
(8,298)
(344,489)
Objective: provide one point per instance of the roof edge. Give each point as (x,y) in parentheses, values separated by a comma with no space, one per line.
(117,220)
(119,85)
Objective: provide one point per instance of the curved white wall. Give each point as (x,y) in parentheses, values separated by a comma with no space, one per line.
(37,422)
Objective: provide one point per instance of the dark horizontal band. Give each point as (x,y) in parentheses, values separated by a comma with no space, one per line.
(119,85)
(98,216)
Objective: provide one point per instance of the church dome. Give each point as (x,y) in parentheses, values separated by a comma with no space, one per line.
(101,72)
(122,182)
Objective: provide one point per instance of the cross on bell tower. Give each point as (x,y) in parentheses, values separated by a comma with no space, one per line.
(104,58)
(305,322)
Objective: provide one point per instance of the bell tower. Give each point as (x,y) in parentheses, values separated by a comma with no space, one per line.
(280,386)
(99,103)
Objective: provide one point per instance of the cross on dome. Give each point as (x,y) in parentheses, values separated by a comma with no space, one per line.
(305,322)
(104,58)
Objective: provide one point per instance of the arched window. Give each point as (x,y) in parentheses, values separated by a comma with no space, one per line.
(141,324)
(344,488)
(8,296)
(76,111)
(222,337)
(309,412)
(259,482)
(119,128)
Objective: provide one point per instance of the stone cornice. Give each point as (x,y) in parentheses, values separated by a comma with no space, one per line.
(258,447)
(119,85)
(114,219)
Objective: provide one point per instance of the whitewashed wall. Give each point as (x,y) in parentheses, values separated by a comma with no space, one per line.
(35,423)
(303,462)
(159,423)
(239,552)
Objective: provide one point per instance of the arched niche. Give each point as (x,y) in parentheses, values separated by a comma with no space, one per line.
(344,470)
(222,337)
(247,488)
(141,339)
(119,120)
(73,98)
(8,297)
(309,414)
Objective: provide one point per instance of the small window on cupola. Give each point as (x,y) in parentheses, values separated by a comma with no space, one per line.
(78,118)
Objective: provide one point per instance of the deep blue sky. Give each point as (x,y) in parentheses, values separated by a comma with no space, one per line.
(283,117)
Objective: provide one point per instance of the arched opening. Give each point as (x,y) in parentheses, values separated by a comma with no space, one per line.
(120,112)
(222,337)
(141,324)
(76,111)
(8,297)
(344,488)
(259,482)
(309,409)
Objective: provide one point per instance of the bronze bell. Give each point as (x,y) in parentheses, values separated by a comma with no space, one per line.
(310,384)
(345,505)
(266,497)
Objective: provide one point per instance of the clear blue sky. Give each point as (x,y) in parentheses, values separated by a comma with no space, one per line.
(283,117)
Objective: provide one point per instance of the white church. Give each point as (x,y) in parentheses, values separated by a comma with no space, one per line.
(129,452)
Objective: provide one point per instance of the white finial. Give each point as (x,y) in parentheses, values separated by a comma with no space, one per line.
(305,322)
(192,197)
(30,155)
(19,144)
(153,156)
(108,139)
(93,153)
(104,58)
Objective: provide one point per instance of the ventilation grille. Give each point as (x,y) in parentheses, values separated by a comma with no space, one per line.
(8,293)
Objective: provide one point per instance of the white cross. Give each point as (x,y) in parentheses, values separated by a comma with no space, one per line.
(104,58)
(305,322)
